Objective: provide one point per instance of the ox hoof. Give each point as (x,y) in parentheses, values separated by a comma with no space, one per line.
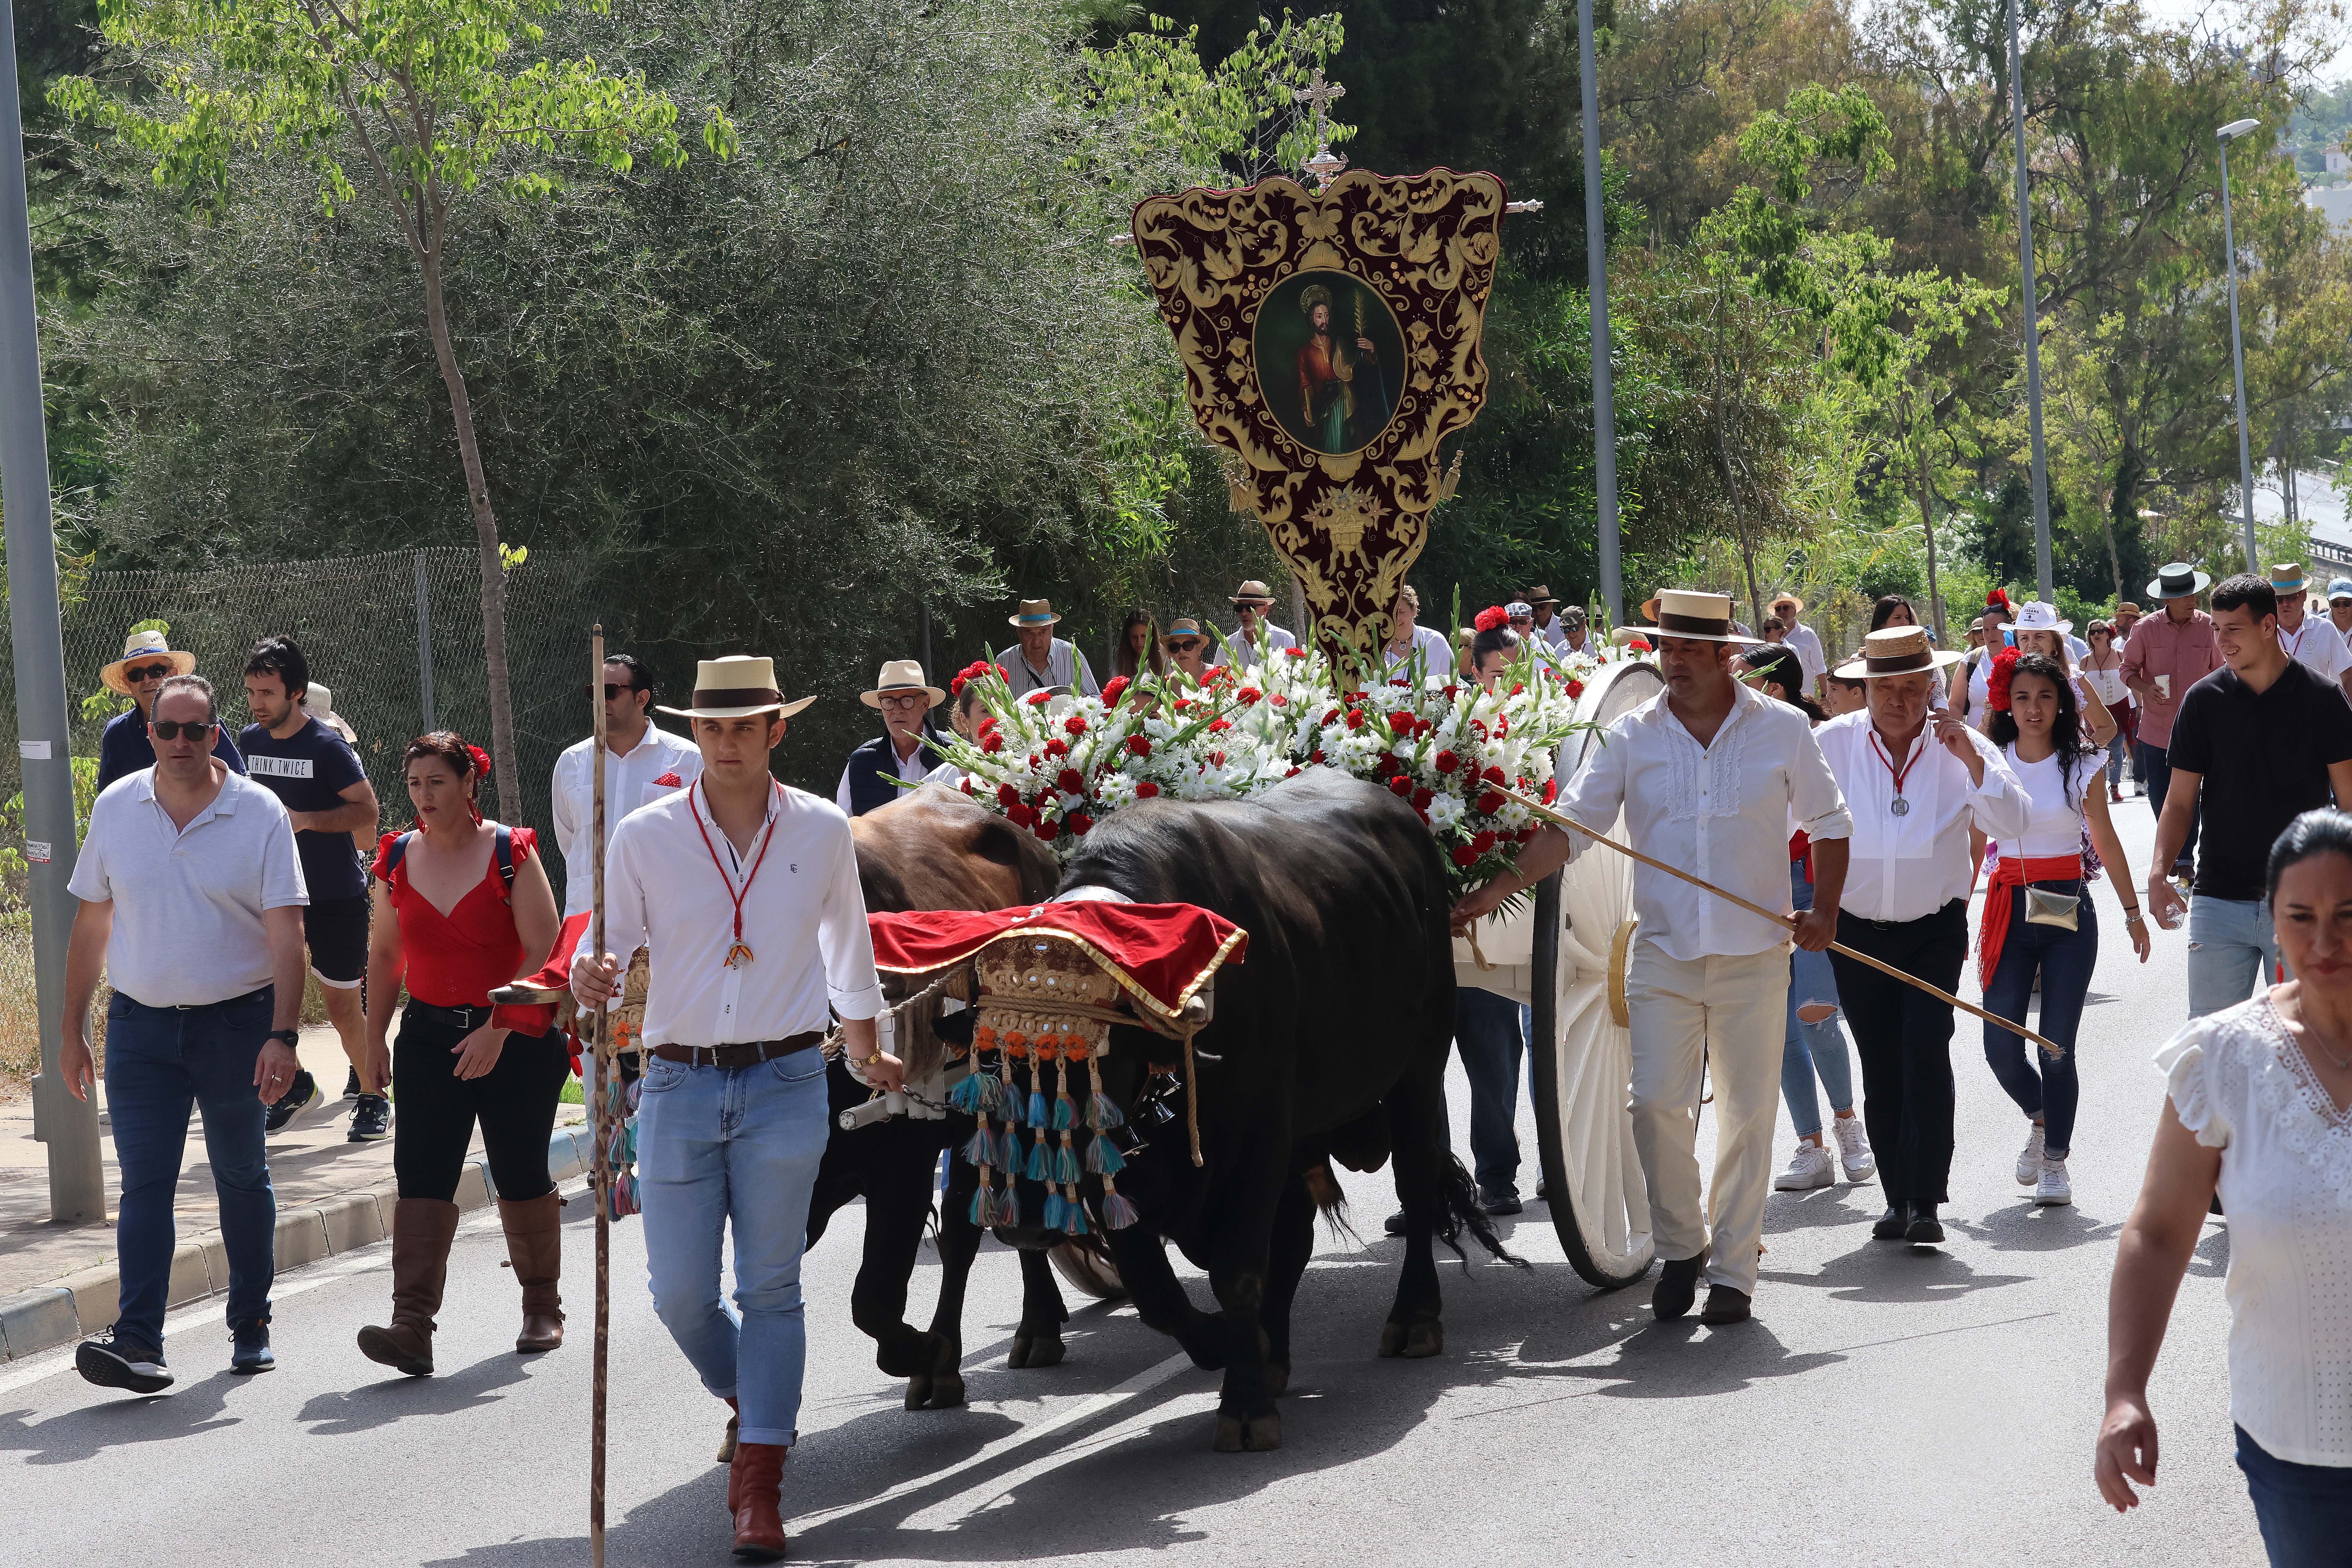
(1277,1377)
(919,1392)
(1249,1434)
(1033,1351)
(936,1391)
(1424,1336)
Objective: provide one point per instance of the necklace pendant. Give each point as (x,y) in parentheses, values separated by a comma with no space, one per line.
(1899,807)
(737,956)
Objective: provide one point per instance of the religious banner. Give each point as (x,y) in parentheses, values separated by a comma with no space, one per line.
(1329,340)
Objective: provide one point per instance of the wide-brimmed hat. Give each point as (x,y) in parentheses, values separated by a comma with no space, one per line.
(2036,615)
(2128,607)
(1682,612)
(1539,594)
(2286,578)
(140,645)
(1184,626)
(902,675)
(1252,593)
(1897,650)
(319,703)
(1777,600)
(737,687)
(1033,613)
(2179,580)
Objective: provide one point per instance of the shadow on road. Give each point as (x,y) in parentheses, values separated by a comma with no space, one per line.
(119,1419)
(398,1397)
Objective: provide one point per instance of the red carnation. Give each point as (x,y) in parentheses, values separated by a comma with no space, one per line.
(1491,801)
(991,741)
(1080,822)
(1075,725)
(1069,782)
(955,687)
(1021,814)
(1113,689)
(1490,618)
(1575,689)
(1038,699)
(1006,794)
(1145,789)
(1552,791)
(1293,773)
(1139,745)
(1216,759)
(1401,784)
(1046,831)
(1518,687)
(1329,716)
(1318,756)
(1482,842)
(1295,652)
(1385,762)
(1219,726)
(2004,666)
(987,723)
(1402,722)
(966,785)
(1422,798)
(1450,692)
(1247,695)
(1355,718)
(1639,645)
(1464,856)
(1183,705)
(1279,701)
(1493,776)
(1447,762)
(1057,748)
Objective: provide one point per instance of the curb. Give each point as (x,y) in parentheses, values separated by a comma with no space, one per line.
(82,1304)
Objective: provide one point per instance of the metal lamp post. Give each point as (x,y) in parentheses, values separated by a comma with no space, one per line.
(2032,321)
(1596,263)
(2227,135)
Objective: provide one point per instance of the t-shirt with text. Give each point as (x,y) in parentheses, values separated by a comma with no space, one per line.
(309,771)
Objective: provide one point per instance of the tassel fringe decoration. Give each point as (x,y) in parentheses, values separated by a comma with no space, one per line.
(1117,1211)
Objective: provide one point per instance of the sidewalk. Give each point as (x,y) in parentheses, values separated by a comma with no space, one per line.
(59,1282)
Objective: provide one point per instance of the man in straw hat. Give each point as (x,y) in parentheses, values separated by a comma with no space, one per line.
(1710,776)
(643,762)
(746,894)
(1548,629)
(1256,639)
(1917,779)
(2168,654)
(148,660)
(1041,661)
(2308,637)
(901,751)
(1802,638)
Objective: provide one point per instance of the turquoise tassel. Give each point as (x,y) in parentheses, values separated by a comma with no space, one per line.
(982,1209)
(1073,1217)
(1039,1116)
(1037,1171)
(969,1096)
(1103,1157)
(1102,1115)
(1064,1113)
(1116,1212)
(991,1094)
(1056,1207)
(981,1149)
(1066,1164)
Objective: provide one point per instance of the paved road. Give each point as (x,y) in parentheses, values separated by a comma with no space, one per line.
(1885,1406)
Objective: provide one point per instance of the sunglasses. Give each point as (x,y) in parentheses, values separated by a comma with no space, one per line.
(612,689)
(146,672)
(173,729)
(1182,645)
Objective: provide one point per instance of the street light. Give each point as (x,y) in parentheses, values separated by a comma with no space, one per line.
(1596,279)
(2033,321)
(2227,135)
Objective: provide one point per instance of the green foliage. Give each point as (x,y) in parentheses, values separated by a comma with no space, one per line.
(14,868)
(1151,90)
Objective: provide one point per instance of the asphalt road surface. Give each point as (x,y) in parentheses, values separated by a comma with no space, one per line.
(1885,1406)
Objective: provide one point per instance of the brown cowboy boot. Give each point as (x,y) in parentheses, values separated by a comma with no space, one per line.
(755,1481)
(421,1231)
(535,1247)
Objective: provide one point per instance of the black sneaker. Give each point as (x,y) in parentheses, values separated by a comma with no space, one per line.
(117,1363)
(371,1119)
(301,1097)
(252,1353)
(351,1084)
(1924,1229)
(1502,1203)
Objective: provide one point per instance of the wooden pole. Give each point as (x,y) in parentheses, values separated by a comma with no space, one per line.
(1564,820)
(602,1180)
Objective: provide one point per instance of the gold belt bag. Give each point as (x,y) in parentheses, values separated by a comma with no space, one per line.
(2051,909)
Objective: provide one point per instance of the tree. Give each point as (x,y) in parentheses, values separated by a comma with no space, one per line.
(428,90)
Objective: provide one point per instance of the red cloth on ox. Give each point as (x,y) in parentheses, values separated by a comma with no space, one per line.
(1160,953)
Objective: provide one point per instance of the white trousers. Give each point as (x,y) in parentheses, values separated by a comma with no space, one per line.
(1718,1019)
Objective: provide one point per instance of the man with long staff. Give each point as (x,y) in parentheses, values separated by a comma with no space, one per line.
(1712,777)
(746,895)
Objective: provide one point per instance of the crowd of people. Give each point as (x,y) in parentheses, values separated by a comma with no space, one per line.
(1870,797)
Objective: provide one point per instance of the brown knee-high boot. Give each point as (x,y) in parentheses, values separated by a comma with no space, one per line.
(535,1247)
(421,1231)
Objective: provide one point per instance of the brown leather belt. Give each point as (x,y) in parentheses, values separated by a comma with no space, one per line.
(749,1054)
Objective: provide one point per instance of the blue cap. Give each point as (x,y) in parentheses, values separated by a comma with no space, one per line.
(2339,589)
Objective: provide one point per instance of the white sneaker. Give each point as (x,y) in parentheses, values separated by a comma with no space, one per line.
(1854,1149)
(2053,1187)
(2029,1160)
(1808,1167)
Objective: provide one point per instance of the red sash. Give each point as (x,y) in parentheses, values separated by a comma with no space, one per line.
(2015,872)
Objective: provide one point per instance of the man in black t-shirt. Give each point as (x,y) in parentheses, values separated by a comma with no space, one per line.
(2256,743)
(318,777)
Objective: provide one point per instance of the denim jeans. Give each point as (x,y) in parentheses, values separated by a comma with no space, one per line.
(2230,939)
(717,1145)
(2155,768)
(1486,1031)
(1810,1049)
(2064,960)
(2304,1511)
(160,1060)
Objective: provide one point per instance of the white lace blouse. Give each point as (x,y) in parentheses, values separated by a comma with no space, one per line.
(2239,1082)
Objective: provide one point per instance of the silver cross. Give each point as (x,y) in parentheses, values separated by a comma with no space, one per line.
(1324,164)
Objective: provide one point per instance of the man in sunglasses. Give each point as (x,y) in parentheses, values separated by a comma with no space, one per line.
(899,752)
(643,762)
(147,661)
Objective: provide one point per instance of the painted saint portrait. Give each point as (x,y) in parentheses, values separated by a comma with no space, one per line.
(1330,360)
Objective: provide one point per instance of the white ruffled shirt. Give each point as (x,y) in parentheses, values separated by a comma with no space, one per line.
(2237,1081)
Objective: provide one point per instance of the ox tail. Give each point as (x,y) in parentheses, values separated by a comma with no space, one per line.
(1463,1211)
(1331,1201)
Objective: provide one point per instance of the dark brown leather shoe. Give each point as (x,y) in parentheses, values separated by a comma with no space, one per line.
(1725,1305)
(1677,1287)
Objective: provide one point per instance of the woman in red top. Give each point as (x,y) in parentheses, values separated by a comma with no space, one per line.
(462,907)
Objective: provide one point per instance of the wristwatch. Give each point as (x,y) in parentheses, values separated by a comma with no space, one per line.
(291,1037)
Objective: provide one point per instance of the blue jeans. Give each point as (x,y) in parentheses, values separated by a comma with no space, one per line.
(2064,960)
(1486,1031)
(2118,757)
(1810,1049)
(2155,768)
(159,1061)
(2230,939)
(2304,1511)
(740,1144)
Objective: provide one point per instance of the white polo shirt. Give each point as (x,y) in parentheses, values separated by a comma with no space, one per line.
(188,901)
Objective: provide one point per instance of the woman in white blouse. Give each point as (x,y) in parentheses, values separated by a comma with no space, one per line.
(2259,1109)
(1406,635)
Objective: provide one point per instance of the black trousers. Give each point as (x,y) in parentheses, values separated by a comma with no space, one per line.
(515,1102)
(1903,1037)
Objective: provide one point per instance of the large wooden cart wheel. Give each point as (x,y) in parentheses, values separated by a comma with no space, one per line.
(1581,1049)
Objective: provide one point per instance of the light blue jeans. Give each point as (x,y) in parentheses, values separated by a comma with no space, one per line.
(1810,1049)
(740,1144)
(2230,941)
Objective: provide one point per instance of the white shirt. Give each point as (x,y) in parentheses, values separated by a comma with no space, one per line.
(1065,667)
(2316,642)
(2108,684)
(913,770)
(1436,655)
(1806,645)
(2054,827)
(1722,812)
(1271,638)
(2238,1082)
(629,782)
(803,919)
(1906,868)
(1554,635)
(188,901)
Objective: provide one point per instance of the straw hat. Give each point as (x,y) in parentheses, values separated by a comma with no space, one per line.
(1184,626)
(2037,615)
(2179,580)
(902,675)
(1693,616)
(1252,593)
(1780,599)
(737,687)
(138,647)
(2287,578)
(1897,650)
(319,703)
(1034,613)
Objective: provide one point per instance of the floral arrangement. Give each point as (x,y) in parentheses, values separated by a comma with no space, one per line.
(1056,766)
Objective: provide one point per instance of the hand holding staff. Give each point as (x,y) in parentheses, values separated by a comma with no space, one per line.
(1562,819)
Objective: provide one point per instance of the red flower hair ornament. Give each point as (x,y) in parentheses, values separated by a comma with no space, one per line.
(1490,618)
(2004,666)
(481,761)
